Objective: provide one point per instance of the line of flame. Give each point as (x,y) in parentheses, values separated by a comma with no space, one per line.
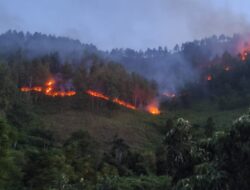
(49,91)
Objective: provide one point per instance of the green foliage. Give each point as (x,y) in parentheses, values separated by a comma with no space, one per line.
(20,114)
(225,162)
(135,183)
(10,173)
(7,88)
(32,156)
(46,170)
(81,153)
(176,157)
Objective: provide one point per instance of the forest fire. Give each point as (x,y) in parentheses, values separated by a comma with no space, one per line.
(115,100)
(125,104)
(153,108)
(97,94)
(49,90)
(34,89)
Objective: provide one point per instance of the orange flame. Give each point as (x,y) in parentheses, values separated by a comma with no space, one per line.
(115,100)
(25,89)
(125,104)
(28,89)
(153,108)
(37,88)
(97,94)
(49,90)
(50,82)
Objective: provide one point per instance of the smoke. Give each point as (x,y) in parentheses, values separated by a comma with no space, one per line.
(174,73)
(136,24)
(189,20)
(171,72)
(203,18)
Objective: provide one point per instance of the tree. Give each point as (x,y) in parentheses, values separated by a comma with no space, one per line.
(67,71)
(10,173)
(7,88)
(81,153)
(176,152)
(47,170)
(233,153)
(119,150)
(209,127)
(225,160)
(80,79)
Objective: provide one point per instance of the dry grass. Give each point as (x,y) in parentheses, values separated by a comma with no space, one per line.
(135,128)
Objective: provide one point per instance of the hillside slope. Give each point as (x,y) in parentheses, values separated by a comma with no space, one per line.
(139,129)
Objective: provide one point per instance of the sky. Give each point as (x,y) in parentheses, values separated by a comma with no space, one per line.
(137,24)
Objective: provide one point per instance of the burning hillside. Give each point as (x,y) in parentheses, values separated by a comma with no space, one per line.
(152,108)
(50,89)
(115,100)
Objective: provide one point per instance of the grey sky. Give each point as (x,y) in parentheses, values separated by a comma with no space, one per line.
(127,23)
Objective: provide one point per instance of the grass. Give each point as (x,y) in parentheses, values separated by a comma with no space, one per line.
(139,129)
(134,127)
(199,112)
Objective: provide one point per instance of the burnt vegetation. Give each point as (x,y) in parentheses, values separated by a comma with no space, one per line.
(83,142)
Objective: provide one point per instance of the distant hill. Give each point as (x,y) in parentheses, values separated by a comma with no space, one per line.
(171,69)
(37,44)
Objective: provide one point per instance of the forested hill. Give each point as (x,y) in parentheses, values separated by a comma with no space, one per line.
(37,44)
(171,69)
(68,124)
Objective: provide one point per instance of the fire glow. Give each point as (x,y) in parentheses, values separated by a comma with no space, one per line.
(49,90)
(97,94)
(153,108)
(34,89)
(115,100)
(243,49)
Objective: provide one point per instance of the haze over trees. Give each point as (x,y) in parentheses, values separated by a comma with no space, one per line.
(160,64)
